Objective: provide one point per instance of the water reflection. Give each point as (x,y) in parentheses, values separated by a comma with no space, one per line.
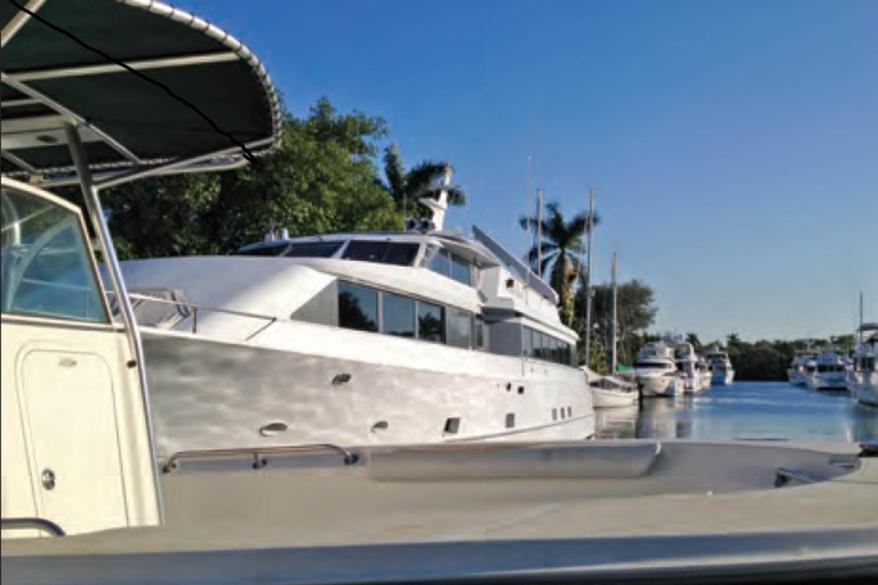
(745,411)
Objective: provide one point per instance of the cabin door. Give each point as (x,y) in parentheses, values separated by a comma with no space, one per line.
(70,422)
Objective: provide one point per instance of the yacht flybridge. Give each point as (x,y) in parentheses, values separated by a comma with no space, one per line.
(356,339)
(86,498)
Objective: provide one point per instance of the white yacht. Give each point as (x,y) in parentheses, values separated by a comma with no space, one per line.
(356,339)
(706,372)
(723,372)
(655,371)
(830,372)
(86,499)
(802,367)
(863,377)
(687,366)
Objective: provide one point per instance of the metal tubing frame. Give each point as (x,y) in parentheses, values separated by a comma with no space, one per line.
(96,217)
(33,523)
(349,457)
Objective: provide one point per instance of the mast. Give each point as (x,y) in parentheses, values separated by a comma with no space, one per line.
(590,225)
(614,342)
(527,192)
(860,328)
(539,231)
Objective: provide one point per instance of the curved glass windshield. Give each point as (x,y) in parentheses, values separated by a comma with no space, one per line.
(47,269)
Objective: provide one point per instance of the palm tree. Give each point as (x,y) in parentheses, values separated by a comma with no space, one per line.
(560,247)
(407,187)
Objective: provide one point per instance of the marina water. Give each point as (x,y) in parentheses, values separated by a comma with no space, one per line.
(758,411)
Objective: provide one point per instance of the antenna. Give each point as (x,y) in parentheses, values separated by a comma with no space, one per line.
(613,356)
(527,191)
(539,232)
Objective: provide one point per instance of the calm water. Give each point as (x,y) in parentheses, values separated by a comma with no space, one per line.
(745,411)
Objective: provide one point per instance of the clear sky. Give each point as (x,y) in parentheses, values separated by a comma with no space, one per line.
(733,144)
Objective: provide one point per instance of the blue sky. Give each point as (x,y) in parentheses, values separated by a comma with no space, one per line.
(733,145)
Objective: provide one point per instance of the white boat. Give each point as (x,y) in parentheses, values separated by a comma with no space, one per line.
(830,372)
(687,366)
(655,371)
(610,391)
(706,372)
(86,500)
(802,367)
(863,377)
(723,372)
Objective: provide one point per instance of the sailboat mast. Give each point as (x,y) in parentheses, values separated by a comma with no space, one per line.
(590,225)
(614,342)
(860,328)
(527,192)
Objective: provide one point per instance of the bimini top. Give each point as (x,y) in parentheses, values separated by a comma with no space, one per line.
(147,85)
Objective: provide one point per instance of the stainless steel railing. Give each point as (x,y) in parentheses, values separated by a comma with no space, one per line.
(31,524)
(259,454)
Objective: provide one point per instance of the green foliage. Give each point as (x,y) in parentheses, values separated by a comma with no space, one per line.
(423,180)
(635,313)
(322,179)
(769,360)
(560,248)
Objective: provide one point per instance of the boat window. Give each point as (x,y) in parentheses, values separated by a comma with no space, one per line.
(460,270)
(313,249)
(431,322)
(398,315)
(402,254)
(527,346)
(479,332)
(440,263)
(270,250)
(459,328)
(47,268)
(357,307)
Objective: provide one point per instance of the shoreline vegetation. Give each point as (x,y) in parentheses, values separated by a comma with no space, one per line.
(336,172)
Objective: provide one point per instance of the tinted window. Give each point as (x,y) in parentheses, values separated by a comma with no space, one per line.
(313,250)
(431,322)
(398,314)
(272,250)
(384,252)
(357,307)
(527,347)
(479,332)
(46,265)
(459,328)
(460,270)
(441,263)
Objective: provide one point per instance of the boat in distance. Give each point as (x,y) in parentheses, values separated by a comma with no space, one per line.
(863,376)
(830,372)
(723,372)
(656,371)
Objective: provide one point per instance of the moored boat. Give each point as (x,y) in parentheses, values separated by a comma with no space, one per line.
(723,372)
(863,376)
(830,372)
(655,371)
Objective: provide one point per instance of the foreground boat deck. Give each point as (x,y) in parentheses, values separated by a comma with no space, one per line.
(589,508)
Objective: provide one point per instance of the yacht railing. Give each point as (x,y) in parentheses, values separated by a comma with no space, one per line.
(194,310)
(259,454)
(31,524)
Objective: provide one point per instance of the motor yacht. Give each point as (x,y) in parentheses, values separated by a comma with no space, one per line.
(655,371)
(705,371)
(686,361)
(863,377)
(87,499)
(830,372)
(723,372)
(802,367)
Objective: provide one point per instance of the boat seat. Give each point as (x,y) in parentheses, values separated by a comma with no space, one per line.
(540,461)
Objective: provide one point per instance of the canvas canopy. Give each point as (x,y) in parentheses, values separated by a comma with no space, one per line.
(147,85)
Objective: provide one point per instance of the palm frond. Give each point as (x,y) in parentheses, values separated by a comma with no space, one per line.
(421,179)
(394,171)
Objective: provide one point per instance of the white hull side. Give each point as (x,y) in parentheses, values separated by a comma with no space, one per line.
(723,377)
(864,388)
(828,381)
(208,394)
(604,398)
(651,385)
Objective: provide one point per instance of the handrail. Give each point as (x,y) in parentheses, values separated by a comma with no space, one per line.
(31,523)
(782,476)
(257,453)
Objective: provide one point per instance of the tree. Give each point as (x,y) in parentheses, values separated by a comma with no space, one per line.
(423,180)
(635,313)
(322,178)
(561,244)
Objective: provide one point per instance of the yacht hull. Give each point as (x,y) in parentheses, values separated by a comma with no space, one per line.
(833,381)
(606,398)
(208,394)
(723,377)
(657,385)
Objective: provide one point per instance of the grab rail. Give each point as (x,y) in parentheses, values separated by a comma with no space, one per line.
(31,523)
(258,454)
(782,476)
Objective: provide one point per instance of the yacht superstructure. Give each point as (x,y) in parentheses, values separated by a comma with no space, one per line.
(830,372)
(356,339)
(655,371)
(802,367)
(723,372)
(863,377)
(687,366)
